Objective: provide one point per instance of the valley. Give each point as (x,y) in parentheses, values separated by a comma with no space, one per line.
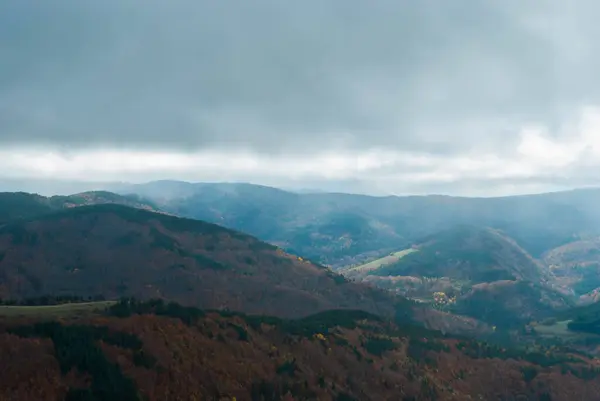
(340,230)
(540,247)
(475,293)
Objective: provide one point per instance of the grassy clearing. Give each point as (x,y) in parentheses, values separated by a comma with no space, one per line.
(561,330)
(386,260)
(54,311)
(558,329)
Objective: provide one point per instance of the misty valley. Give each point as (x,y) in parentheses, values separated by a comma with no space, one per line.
(250,292)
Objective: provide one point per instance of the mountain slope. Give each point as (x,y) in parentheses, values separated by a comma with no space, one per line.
(344,229)
(114,250)
(327,232)
(467,253)
(479,272)
(333,356)
(510,303)
(18,205)
(103,197)
(577,265)
(21,205)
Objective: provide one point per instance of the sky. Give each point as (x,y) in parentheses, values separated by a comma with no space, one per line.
(475,98)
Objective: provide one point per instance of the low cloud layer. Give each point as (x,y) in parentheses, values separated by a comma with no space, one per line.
(456,97)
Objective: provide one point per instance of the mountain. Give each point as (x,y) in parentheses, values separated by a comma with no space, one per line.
(162,190)
(577,266)
(343,229)
(479,272)
(17,205)
(55,186)
(510,303)
(21,205)
(299,223)
(114,250)
(469,254)
(154,351)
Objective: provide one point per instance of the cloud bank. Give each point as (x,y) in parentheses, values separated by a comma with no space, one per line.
(461,97)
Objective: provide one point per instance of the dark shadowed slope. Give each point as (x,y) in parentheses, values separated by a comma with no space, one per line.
(18,205)
(115,251)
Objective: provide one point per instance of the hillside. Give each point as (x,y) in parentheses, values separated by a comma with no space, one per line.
(114,250)
(344,229)
(466,253)
(510,303)
(21,205)
(103,197)
(479,272)
(577,266)
(326,232)
(175,353)
(583,318)
(577,327)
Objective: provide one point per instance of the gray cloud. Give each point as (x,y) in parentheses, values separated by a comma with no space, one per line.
(272,76)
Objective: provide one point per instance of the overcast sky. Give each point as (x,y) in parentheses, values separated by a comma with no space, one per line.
(384,96)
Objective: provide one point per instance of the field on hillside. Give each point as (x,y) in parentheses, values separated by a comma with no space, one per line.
(54,311)
(559,331)
(386,260)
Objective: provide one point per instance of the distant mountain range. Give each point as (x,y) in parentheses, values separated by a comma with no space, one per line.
(542,246)
(343,229)
(114,246)
(467,247)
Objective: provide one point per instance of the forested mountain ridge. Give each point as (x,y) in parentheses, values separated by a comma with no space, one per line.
(491,263)
(474,271)
(343,229)
(22,205)
(116,250)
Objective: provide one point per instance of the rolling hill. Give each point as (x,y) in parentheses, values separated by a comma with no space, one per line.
(114,250)
(452,261)
(577,266)
(343,229)
(467,253)
(22,205)
(327,232)
(479,272)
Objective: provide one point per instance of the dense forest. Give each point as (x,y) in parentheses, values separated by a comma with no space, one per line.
(118,348)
